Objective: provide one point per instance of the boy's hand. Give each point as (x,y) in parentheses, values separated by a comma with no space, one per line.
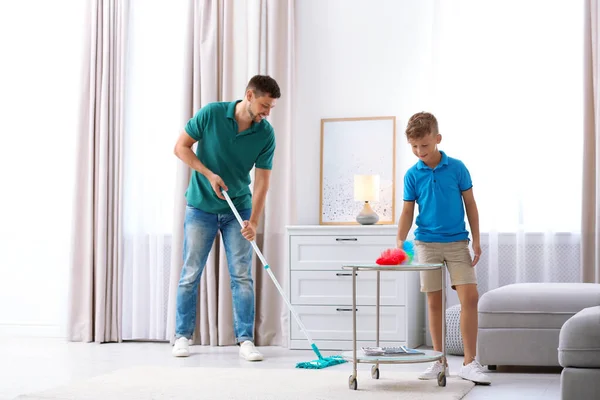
(477,252)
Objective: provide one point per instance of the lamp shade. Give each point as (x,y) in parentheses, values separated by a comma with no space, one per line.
(366,187)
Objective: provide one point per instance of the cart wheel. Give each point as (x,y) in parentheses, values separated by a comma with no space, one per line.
(352,383)
(441,379)
(374,372)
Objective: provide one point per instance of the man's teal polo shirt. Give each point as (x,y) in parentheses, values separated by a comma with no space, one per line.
(438,193)
(227,153)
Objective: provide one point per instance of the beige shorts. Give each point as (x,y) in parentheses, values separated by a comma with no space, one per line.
(457,257)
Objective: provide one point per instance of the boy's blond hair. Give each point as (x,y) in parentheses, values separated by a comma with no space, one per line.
(420,125)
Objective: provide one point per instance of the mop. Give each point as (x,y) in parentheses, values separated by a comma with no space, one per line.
(321,362)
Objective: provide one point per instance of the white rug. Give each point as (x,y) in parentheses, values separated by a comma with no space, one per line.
(182,383)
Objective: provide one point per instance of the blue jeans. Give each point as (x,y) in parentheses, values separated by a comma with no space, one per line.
(200,230)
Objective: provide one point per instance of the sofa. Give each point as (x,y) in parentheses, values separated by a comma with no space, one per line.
(520,324)
(579,355)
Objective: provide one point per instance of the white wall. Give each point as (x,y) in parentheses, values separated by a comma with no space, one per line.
(357,59)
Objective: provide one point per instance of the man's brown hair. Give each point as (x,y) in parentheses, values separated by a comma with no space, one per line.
(420,125)
(264,85)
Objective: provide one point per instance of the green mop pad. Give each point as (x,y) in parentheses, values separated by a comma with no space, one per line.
(321,362)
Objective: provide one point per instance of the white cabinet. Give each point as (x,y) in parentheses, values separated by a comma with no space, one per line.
(321,291)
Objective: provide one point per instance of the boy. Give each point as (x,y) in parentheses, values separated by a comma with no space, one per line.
(439,185)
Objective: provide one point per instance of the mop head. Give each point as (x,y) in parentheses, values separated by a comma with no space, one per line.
(321,362)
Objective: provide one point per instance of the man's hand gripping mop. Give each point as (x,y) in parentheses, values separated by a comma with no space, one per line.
(321,362)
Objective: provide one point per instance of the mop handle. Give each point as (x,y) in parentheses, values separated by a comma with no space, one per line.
(268,268)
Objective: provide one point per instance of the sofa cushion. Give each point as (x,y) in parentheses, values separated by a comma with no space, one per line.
(535,305)
(579,340)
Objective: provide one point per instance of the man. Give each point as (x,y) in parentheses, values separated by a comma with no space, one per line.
(233,137)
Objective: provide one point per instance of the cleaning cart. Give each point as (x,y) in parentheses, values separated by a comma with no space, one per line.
(425,356)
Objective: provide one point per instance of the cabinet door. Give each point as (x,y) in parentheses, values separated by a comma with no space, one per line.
(335,287)
(335,323)
(331,252)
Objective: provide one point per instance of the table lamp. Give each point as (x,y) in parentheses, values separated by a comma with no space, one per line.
(366,188)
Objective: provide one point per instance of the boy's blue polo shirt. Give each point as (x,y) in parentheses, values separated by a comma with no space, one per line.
(229,154)
(438,193)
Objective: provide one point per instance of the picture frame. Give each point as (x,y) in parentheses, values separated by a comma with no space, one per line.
(352,146)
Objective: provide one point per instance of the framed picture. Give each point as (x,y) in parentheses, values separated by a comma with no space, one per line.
(357,146)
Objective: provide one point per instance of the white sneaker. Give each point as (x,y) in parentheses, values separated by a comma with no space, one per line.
(434,369)
(181,347)
(249,352)
(474,372)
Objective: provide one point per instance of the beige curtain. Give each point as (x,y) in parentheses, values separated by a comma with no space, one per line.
(591,156)
(96,268)
(229,42)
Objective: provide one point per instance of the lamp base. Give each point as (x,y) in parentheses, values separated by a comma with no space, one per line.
(367,216)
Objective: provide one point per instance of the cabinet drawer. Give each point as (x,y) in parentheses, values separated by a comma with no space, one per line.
(335,287)
(335,323)
(331,252)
